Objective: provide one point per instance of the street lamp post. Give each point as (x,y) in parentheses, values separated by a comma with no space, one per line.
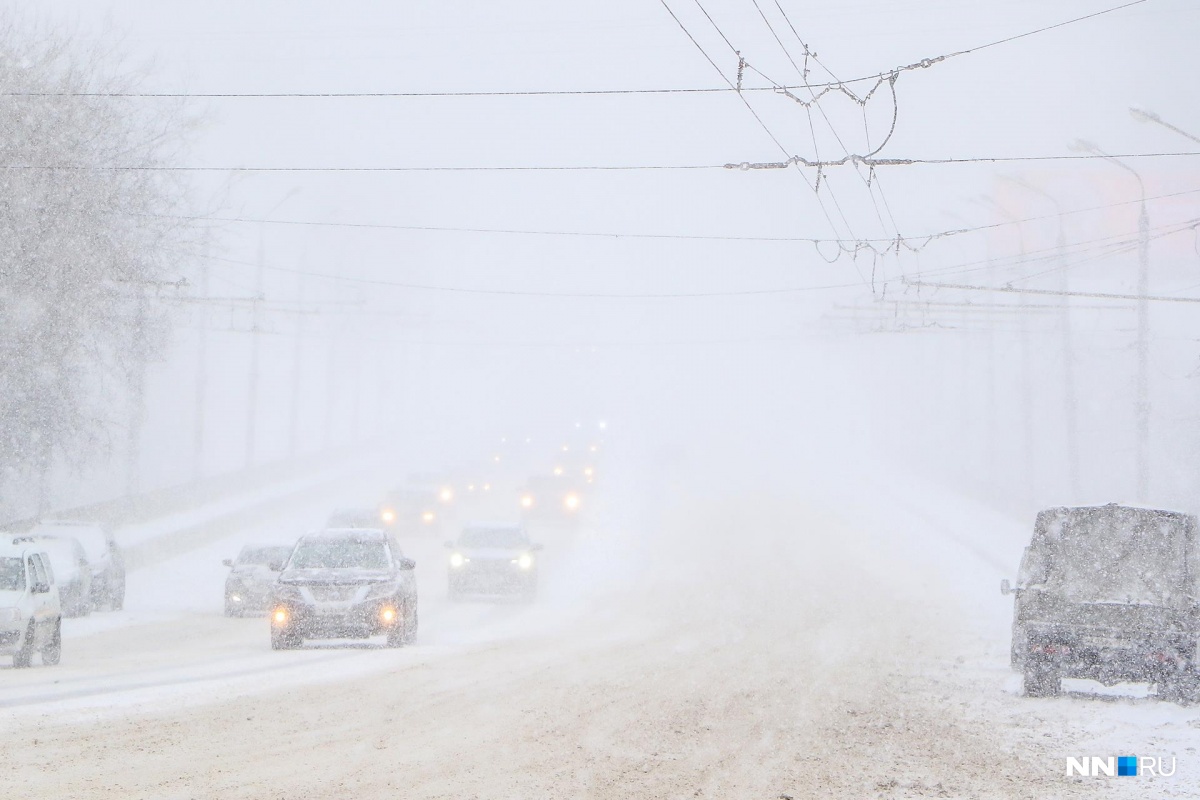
(1143,115)
(1070,398)
(1142,403)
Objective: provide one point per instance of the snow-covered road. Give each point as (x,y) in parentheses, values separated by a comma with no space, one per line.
(854,654)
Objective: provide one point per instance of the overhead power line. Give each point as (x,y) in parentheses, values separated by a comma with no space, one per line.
(731,166)
(1047,292)
(921,238)
(921,64)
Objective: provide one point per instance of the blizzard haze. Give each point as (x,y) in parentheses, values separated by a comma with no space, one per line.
(810,338)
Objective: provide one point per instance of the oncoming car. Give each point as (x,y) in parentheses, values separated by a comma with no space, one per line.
(552,500)
(345,584)
(493,559)
(251,577)
(30,616)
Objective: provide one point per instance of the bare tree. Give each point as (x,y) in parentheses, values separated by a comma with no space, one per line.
(88,240)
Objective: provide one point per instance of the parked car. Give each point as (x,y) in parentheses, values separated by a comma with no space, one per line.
(104,558)
(251,577)
(345,584)
(30,614)
(493,559)
(72,575)
(1108,593)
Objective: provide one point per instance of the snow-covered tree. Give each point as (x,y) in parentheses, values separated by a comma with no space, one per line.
(87,244)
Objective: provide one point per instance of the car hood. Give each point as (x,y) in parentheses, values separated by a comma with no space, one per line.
(327,576)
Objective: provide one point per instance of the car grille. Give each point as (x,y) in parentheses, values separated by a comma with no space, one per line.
(335,593)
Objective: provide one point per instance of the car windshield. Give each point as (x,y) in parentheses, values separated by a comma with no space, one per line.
(95,543)
(1116,555)
(339,554)
(493,537)
(263,555)
(12,574)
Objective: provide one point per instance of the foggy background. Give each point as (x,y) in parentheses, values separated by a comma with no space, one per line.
(424,339)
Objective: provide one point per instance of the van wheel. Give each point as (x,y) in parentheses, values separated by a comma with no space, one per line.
(24,657)
(52,652)
(1041,680)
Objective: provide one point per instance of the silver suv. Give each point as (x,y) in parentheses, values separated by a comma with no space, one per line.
(347,583)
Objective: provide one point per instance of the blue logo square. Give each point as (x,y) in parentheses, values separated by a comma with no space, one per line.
(1127,765)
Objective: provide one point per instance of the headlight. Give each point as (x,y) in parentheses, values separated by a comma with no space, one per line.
(446,494)
(571,501)
(526,501)
(525,561)
(382,590)
(388,515)
(427,517)
(457,560)
(10,615)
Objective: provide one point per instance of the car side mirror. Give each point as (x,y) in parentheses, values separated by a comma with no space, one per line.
(227,562)
(536,547)
(40,588)
(275,566)
(1007,588)
(406,564)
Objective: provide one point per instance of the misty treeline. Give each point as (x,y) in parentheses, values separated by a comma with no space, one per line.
(88,253)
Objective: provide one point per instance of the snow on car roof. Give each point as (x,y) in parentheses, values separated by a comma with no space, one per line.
(348,533)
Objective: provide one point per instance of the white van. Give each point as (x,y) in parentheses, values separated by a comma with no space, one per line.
(30,615)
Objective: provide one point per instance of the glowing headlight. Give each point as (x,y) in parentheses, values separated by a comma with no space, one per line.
(571,501)
(457,560)
(558,470)
(427,517)
(487,487)
(526,501)
(388,515)
(387,614)
(280,617)
(525,561)
(446,494)
(588,471)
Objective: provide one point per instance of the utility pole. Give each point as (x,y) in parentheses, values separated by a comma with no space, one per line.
(1070,398)
(201,376)
(137,399)
(297,360)
(1142,401)
(252,399)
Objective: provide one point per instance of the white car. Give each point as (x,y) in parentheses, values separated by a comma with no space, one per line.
(30,616)
(72,573)
(103,555)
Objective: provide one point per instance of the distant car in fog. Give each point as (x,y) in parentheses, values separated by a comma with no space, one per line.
(412,512)
(251,577)
(552,499)
(493,559)
(104,557)
(30,614)
(1108,593)
(72,575)
(345,584)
